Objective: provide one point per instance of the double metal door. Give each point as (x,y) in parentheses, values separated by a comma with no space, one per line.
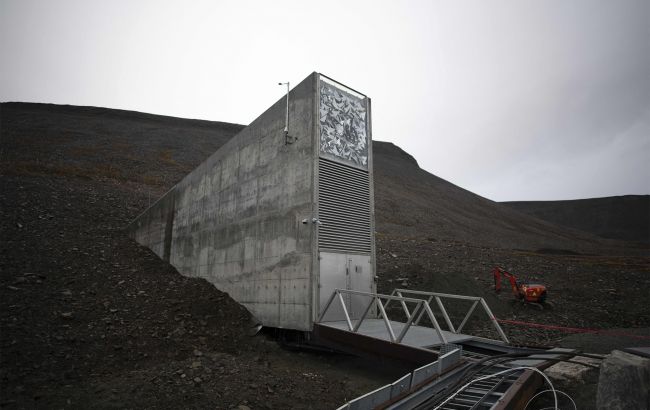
(345,271)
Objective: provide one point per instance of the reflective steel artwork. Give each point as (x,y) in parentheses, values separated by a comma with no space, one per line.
(343,125)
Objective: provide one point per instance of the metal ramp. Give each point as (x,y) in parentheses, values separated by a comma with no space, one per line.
(416,336)
(419,338)
(415,307)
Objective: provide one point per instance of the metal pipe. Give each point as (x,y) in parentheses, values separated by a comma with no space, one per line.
(444,314)
(387,323)
(379,295)
(407,326)
(388,301)
(286,123)
(442,295)
(435,323)
(327,305)
(422,312)
(345,311)
(469,313)
(365,313)
(406,309)
(494,321)
(286,119)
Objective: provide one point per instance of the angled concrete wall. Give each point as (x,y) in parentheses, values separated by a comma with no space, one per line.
(236,219)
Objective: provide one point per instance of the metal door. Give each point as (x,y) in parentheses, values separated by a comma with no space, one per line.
(333,275)
(361,278)
(345,271)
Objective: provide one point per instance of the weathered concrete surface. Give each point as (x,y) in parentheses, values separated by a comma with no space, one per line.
(624,382)
(236,219)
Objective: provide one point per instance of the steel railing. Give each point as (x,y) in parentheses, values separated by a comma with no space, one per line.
(438,297)
(421,308)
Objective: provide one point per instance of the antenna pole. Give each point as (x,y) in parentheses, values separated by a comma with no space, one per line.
(286,123)
(287,139)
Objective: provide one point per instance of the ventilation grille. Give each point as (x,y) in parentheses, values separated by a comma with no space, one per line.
(343,208)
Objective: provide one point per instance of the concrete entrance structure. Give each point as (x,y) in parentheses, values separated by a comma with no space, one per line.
(279,226)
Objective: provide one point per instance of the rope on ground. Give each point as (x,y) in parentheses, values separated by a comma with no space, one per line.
(573,329)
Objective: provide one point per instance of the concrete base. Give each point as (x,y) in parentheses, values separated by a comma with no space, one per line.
(624,382)
(572,373)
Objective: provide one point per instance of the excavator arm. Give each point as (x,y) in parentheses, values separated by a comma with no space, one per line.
(533,293)
(498,271)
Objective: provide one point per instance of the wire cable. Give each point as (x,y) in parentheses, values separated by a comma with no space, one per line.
(575,407)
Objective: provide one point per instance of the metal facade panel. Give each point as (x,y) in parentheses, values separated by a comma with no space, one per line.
(401,385)
(344,208)
(362,278)
(449,359)
(333,276)
(424,373)
(345,271)
(371,400)
(344,197)
(344,126)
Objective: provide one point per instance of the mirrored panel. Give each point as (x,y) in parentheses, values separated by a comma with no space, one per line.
(343,124)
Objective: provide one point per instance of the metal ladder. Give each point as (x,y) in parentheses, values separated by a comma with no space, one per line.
(483,394)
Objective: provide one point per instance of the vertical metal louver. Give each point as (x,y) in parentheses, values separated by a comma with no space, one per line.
(343,207)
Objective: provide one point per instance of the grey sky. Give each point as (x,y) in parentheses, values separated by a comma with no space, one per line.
(513,100)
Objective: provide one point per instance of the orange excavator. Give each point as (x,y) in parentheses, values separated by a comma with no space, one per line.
(527,292)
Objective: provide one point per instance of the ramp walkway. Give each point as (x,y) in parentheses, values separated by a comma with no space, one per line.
(416,308)
(417,336)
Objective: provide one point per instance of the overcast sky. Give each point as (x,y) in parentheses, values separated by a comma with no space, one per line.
(513,100)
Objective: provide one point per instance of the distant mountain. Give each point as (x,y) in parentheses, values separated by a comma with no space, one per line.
(616,217)
(154,152)
(410,201)
(95,142)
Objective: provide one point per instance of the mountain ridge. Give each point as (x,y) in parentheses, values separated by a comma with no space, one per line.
(623,217)
(153,151)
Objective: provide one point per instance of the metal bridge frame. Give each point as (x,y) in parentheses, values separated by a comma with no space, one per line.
(422,307)
(438,298)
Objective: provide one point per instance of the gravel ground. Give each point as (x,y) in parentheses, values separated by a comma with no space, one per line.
(584,291)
